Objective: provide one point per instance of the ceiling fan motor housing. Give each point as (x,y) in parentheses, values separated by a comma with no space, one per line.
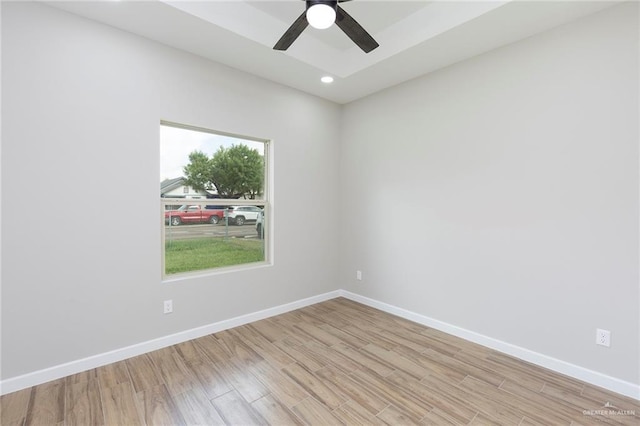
(332,3)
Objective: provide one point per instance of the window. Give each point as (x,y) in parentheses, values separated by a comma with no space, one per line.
(223,221)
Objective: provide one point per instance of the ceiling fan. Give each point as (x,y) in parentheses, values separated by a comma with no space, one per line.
(322,14)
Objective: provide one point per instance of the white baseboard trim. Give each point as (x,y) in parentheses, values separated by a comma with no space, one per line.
(56,372)
(593,377)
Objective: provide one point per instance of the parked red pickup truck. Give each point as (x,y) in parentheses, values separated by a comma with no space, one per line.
(193,214)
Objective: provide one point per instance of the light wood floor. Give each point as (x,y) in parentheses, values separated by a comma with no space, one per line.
(337,362)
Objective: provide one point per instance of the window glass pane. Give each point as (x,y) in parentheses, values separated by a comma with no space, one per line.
(213,200)
(203,238)
(197,164)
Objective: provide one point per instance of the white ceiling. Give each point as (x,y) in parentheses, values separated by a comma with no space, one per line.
(416,37)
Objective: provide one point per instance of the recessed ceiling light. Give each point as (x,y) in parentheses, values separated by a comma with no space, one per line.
(327,79)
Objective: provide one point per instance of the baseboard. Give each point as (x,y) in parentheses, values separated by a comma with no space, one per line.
(56,372)
(593,377)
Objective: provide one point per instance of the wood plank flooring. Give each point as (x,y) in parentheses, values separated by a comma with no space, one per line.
(337,362)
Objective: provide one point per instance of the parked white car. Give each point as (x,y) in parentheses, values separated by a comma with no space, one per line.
(239,215)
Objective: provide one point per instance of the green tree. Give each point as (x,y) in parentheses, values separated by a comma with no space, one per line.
(237,171)
(199,171)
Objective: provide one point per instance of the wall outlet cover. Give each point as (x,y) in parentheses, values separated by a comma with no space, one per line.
(603,337)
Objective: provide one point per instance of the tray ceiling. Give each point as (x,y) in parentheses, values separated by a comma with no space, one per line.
(415,37)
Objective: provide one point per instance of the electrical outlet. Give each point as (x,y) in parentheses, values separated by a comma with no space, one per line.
(603,337)
(359,275)
(168,306)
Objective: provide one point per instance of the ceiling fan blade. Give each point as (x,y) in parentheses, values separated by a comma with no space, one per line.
(292,33)
(355,31)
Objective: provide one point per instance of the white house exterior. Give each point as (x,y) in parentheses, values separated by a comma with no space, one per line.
(175,188)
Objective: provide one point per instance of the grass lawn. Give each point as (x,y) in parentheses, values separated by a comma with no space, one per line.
(207,253)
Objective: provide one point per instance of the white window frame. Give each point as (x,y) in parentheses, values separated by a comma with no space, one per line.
(266,201)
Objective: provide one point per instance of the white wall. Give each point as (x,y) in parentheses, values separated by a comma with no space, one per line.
(501,194)
(81,107)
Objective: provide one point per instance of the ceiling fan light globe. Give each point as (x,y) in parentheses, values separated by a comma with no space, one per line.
(321,16)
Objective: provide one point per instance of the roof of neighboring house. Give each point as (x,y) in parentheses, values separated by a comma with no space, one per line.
(171,184)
